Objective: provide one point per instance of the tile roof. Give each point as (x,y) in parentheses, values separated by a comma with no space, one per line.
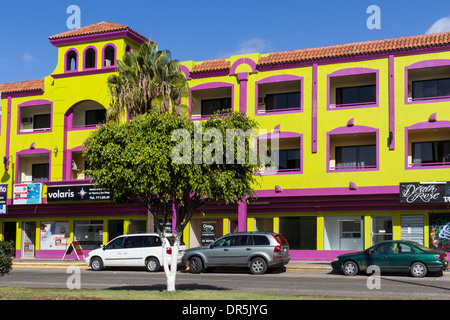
(22,86)
(101,27)
(357,48)
(211,66)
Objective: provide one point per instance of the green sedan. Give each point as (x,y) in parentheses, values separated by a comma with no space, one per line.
(393,256)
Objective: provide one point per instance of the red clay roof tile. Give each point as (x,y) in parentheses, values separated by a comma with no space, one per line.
(211,66)
(357,48)
(22,86)
(101,27)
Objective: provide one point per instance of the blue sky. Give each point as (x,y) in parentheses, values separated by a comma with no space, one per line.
(199,30)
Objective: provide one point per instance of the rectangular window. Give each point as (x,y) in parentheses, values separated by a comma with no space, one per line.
(94,117)
(41,121)
(289,159)
(431,152)
(300,232)
(356,157)
(40,171)
(288,100)
(355,95)
(431,88)
(210,106)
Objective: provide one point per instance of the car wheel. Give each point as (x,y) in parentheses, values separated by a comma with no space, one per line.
(152,265)
(350,268)
(258,266)
(96,264)
(195,265)
(418,270)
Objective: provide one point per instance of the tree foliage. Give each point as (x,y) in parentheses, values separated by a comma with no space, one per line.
(147,79)
(6,257)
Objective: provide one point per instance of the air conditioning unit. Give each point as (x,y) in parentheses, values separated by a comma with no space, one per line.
(74,165)
(261,100)
(27,120)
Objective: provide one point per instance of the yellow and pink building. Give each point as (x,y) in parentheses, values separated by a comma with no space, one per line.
(363,131)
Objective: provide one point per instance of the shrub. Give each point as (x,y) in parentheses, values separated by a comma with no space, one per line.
(6,257)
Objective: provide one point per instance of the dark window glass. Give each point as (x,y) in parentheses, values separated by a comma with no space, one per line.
(431,152)
(300,232)
(381,249)
(41,121)
(431,88)
(89,59)
(39,171)
(356,157)
(289,159)
(151,241)
(71,61)
(134,242)
(116,244)
(360,94)
(260,240)
(211,106)
(290,100)
(239,240)
(95,116)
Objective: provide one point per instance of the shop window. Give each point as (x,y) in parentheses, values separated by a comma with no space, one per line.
(264,224)
(356,151)
(207,99)
(71,60)
(352,90)
(439,230)
(343,233)
(89,233)
(381,228)
(300,232)
(281,95)
(54,235)
(428,148)
(430,83)
(90,58)
(109,56)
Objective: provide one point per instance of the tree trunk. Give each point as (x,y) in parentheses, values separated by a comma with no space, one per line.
(171,271)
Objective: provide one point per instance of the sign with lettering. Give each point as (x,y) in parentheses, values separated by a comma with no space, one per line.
(208,233)
(417,192)
(27,193)
(77,193)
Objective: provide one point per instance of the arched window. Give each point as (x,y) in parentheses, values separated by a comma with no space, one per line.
(89,58)
(71,60)
(109,56)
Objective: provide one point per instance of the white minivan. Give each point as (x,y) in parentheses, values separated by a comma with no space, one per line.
(132,250)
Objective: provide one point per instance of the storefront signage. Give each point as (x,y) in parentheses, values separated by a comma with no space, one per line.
(77,193)
(3,198)
(27,193)
(425,192)
(208,233)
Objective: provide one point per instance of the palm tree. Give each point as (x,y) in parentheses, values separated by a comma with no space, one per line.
(148,79)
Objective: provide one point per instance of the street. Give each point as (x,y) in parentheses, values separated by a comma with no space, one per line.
(295,282)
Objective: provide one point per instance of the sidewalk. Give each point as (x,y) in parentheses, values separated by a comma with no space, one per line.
(49,263)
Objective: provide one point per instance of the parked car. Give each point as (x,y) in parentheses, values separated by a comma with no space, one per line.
(256,250)
(132,250)
(393,256)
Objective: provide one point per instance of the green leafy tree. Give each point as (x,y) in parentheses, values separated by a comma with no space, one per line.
(147,79)
(6,257)
(163,161)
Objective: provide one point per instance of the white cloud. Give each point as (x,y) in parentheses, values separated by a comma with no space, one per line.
(28,58)
(441,25)
(253,45)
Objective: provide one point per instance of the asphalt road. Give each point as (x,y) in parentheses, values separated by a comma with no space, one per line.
(296,282)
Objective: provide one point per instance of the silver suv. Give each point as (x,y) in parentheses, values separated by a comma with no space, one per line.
(256,250)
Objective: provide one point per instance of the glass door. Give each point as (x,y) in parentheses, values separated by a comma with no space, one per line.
(28,238)
(381,228)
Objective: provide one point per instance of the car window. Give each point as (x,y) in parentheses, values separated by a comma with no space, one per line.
(239,240)
(381,249)
(115,244)
(402,248)
(259,240)
(223,242)
(151,241)
(134,242)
